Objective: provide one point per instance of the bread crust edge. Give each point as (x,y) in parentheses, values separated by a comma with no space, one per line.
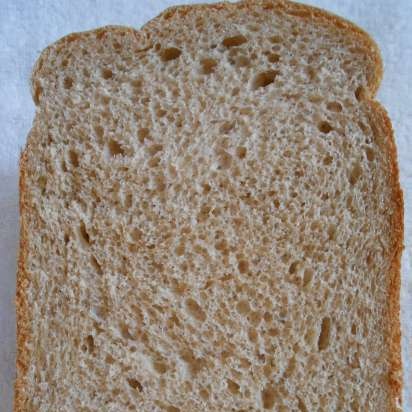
(381,117)
(22,281)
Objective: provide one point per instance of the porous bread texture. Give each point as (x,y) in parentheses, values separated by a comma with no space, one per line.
(211,218)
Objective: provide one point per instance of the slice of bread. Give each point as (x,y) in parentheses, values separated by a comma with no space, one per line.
(211,218)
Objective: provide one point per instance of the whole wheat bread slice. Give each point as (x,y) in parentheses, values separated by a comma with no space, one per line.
(211,218)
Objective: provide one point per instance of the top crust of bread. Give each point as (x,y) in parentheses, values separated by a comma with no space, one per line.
(144,37)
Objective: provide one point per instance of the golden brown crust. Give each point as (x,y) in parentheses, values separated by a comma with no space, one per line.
(379,115)
(383,127)
(22,309)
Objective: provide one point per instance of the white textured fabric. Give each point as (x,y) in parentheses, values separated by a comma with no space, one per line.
(28,26)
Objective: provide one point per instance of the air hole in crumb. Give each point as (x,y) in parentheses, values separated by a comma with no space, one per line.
(161,112)
(242,61)
(107,74)
(96,265)
(68,83)
(243,266)
(369,260)
(204,394)
(109,359)
(99,131)
(160,367)
(353,329)
(225,159)
(360,93)
(233,387)
(268,397)
(172,171)
(312,73)
(267,317)
(354,405)
(170,53)
(324,337)
(327,160)
(105,100)
(315,98)
(290,368)
(74,158)
(124,331)
(142,134)
(84,236)
(222,246)
(136,234)
(90,343)
(301,406)
(208,65)
(172,409)
(252,335)
(136,84)
(293,268)
(128,200)
(334,107)
(253,27)
(180,249)
(204,213)
(42,181)
(206,188)
(160,182)
(364,128)
(226,127)
(243,307)
(307,276)
(273,58)
(325,127)
(370,154)
(264,79)
(355,174)
(154,162)
(180,288)
(234,41)
(195,365)
(155,148)
(135,384)
(332,232)
(275,39)
(115,148)
(195,310)
(235,91)
(241,152)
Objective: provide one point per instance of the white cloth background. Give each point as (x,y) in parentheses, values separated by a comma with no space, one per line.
(27,26)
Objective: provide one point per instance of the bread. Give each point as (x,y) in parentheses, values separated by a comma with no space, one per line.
(211,218)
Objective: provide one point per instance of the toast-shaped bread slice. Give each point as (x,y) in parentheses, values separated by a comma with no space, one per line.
(211,218)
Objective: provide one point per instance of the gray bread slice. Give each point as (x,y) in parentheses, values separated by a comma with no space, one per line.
(211,218)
